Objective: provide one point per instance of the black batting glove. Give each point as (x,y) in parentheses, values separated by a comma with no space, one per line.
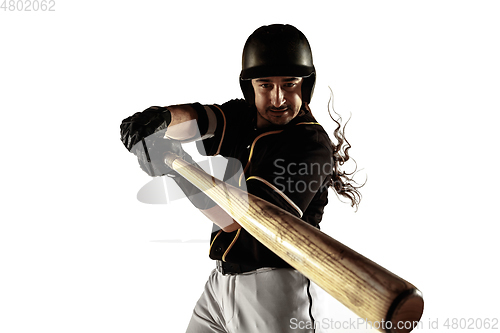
(152,161)
(151,152)
(142,124)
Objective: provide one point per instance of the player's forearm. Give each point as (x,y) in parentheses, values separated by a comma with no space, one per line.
(182,113)
(183,124)
(206,205)
(182,127)
(218,216)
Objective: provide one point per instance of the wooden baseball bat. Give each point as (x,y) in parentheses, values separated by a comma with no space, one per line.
(385,300)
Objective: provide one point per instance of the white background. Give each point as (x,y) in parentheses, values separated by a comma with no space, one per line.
(79,253)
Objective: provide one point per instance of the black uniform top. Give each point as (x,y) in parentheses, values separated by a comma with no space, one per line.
(288,166)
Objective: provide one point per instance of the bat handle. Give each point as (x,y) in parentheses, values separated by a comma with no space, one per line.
(170,158)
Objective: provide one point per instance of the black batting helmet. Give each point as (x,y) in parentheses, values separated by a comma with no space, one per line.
(277,50)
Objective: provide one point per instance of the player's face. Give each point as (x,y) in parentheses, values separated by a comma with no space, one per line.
(278,99)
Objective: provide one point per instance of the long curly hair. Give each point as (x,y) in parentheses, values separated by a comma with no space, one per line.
(342,182)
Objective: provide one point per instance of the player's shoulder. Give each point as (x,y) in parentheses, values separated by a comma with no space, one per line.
(235,104)
(233,110)
(306,127)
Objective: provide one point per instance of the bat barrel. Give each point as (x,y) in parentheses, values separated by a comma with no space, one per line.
(405,311)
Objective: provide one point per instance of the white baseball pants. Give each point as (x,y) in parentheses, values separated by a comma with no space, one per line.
(274,300)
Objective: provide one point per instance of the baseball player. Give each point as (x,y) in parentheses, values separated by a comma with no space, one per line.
(286,158)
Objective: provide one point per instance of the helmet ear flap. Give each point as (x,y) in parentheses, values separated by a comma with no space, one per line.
(308,87)
(248,92)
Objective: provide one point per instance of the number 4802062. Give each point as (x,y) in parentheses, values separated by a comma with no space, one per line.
(28,5)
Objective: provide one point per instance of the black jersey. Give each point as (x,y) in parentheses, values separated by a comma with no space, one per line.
(289,166)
